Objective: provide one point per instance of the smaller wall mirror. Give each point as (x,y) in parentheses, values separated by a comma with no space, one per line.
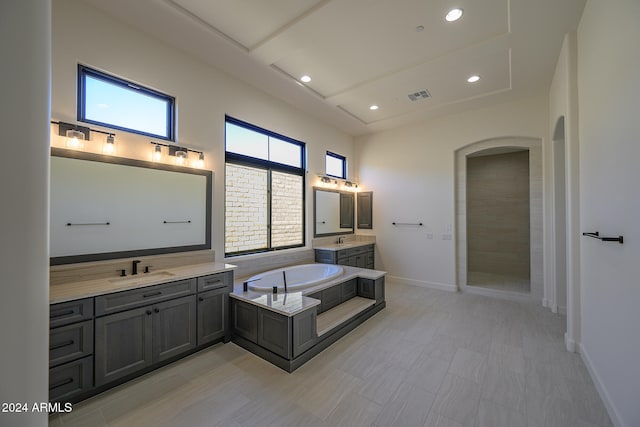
(333,212)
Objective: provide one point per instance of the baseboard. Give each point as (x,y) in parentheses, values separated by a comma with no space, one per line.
(602,391)
(570,344)
(422,283)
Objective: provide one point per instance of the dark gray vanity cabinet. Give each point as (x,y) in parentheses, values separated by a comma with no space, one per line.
(359,256)
(70,349)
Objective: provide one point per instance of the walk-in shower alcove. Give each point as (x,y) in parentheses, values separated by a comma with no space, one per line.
(498,243)
(499,218)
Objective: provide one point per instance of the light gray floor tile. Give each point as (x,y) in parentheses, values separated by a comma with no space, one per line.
(469,364)
(408,365)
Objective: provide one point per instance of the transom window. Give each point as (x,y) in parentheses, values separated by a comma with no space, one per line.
(116,103)
(336,165)
(264,190)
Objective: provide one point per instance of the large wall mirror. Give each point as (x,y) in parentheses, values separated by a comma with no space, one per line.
(333,212)
(105,207)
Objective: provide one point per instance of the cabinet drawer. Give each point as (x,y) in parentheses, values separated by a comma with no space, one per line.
(65,313)
(119,301)
(216,281)
(70,379)
(70,342)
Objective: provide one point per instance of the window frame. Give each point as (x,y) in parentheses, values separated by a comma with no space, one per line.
(340,157)
(269,166)
(84,71)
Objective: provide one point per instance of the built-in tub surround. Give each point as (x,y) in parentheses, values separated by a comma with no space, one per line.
(297,277)
(288,329)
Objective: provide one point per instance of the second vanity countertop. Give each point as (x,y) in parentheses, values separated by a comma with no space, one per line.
(345,245)
(90,288)
(292,303)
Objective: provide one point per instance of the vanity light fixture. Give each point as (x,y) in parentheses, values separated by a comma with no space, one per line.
(180,155)
(453,15)
(77,135)
(330,182)
(473,79)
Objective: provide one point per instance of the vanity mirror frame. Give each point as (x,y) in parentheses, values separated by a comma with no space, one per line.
(108,255)
(315,211)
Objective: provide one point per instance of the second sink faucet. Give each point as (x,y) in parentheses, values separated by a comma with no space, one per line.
(340,240)
(134,269)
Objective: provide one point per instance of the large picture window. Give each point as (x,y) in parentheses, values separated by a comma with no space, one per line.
(264,190)
(116,103)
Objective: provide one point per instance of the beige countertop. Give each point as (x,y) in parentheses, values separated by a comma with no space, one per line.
(90,288)
(292,303)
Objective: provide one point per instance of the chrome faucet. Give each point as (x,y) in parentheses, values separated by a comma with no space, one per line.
(134,269)
(340,240)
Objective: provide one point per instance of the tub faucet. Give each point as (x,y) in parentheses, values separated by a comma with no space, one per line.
(134,269)
(284,279)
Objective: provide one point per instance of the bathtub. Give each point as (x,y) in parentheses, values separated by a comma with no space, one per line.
(299,277)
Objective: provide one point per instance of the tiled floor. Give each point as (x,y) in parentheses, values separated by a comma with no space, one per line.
(499,282)
(431,358)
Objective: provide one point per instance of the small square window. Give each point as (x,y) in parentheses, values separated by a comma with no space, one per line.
(336,165)
(116,103)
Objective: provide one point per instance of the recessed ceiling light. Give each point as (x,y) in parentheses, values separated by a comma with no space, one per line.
(473,79)
(305,79)
(373,107)
(453,15)
(419,28)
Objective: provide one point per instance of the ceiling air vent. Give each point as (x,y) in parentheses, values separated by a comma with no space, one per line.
(423,94)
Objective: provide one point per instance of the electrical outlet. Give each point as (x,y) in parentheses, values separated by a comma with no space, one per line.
(430,236)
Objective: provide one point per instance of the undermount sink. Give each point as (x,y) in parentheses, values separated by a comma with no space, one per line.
(142,277)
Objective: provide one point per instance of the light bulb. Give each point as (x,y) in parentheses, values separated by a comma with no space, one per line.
(199,163)
(181,157)
(157,153)
(75,139)
(109,146)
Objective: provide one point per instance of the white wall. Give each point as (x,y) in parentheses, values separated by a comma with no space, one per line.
(563,112)
(83,34)
(25,33)
(411,171)
(609,105)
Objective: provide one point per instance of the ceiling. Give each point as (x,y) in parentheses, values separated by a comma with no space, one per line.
(364,52)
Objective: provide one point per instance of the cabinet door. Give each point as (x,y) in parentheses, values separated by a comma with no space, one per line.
(366,288)
(174,327)
(330,297)
(123,344)
(346,210)
(365,211)
(274,332)
(244,320)
(305,333)
(349,289)
(212,315)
